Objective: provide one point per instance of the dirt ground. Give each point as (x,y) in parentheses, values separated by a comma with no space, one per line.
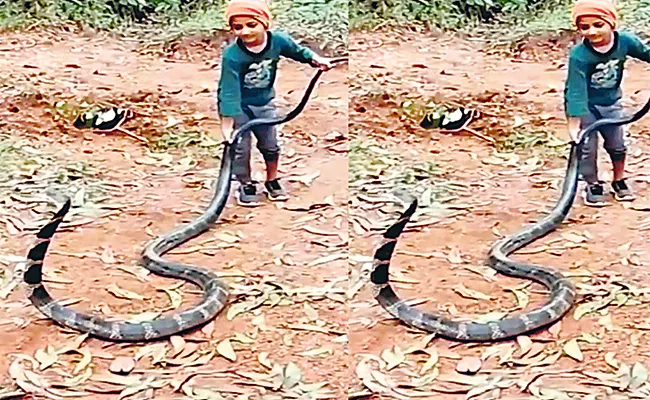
(294,342)
(601,249)
(306,263)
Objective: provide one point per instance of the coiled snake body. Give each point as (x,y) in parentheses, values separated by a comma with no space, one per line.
(215,291)
(562,291)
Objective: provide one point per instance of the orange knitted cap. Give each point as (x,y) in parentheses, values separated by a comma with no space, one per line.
(249,8)
(603,9)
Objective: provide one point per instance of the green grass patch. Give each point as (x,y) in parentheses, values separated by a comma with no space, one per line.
(178,137)
(27,172)
(501,22)
(322,22)
(539,142)
(378,171)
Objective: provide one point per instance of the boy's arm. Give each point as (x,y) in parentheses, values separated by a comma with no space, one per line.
(227,127)
(229,98)
(573,124)
(575,97)
(294,51)
(638,49)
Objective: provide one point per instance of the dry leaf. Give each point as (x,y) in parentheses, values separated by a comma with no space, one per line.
(206,394)
(317,352)
(363,369)
(307,327)
(225,237)
(421,345)
(525,344)
(122,365)
(571,237)
(208,329)
(77,341)
(107,256)
(312,314)
(393,358)
(188,349)
(572,349)
(327,259)
(225,349)
(16,370)
(47,357)
(175,296)
(491,316)
(382,379)
(535,349)
(468,365)
(589,338)
(178,344)
(609,359)
(78,379)
(242,338)
(156,351)
(34,378)
(584,309)
(86,357)
(122,293)
(639,376)
(292,376)
(555,329)
(431,362)
(469,293)
(521,296)
(263,359)
(454,256)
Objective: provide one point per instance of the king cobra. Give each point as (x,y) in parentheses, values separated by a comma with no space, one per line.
(562,291)
(215,291)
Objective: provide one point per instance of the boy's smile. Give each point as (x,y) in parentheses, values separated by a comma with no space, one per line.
(595,30)
(249,30)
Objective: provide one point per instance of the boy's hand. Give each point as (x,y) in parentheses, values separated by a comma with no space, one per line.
(227,135)
(323,63)
(574,129)
(227,128)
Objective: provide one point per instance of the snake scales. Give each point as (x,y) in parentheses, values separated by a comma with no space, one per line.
(215,291)
(562,291)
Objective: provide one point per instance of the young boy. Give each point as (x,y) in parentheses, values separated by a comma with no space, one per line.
(248,72)
(593,91)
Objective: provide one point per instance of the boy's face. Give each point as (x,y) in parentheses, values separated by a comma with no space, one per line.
(249,30)
(595,30)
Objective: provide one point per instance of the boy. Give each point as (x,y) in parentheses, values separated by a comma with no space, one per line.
(248,72)
(593,92)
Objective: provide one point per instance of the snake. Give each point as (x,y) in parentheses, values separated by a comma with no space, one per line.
(215,291)
(562,292)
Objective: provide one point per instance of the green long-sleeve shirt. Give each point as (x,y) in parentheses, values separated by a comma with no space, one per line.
(247,78)
(595,78)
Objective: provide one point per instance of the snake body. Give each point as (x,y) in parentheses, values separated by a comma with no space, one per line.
(215,291)
(562,291)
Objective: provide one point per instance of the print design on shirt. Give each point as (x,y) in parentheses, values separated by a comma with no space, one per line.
(259,75)
(605,75)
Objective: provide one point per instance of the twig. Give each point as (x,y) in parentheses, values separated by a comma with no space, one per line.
(466,127)
(133,135)
(482,136)
(473,132)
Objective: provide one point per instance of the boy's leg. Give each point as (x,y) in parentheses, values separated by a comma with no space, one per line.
(267,143)
(594,194)
(247,193)
(614,137)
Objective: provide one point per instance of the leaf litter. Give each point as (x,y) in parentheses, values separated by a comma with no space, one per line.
(602,306)
(371,163)
(89,368)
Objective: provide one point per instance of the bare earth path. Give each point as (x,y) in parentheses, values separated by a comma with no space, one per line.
(289,337)
(476,195)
